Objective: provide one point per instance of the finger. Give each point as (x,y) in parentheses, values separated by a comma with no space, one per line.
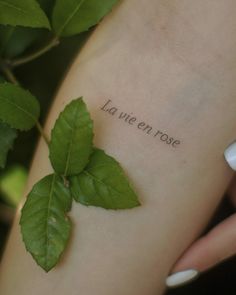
(218,245)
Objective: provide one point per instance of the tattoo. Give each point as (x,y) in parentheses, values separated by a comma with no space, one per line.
(143,126)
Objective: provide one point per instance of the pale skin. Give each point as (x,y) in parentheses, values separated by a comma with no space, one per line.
(171,64)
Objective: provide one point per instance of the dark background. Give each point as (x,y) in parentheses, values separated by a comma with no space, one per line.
(42,77)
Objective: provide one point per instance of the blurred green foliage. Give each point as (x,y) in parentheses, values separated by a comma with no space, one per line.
(12,184)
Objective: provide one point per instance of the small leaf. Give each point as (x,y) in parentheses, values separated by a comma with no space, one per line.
(103,184)
(44,225)
(7,137)
(18,107)
(71,139)
(75,16)
(25,13)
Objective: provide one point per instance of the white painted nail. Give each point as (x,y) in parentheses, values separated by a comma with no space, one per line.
(181,278)
(230,155)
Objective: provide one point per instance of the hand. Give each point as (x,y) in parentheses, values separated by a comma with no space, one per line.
(213,248)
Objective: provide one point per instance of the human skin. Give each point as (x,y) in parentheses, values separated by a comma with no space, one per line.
(171,64)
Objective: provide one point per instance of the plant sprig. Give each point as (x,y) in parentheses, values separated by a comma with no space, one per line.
(88,174)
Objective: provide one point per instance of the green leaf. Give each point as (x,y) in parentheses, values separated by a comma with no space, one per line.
(75,16)
(44,225)
(103,184)
(7,137)
(18,107)
(25,13)
(12,184)
(71,139)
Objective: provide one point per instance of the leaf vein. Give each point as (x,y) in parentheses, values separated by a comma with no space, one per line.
(18,107)
(71,16)
(12,6)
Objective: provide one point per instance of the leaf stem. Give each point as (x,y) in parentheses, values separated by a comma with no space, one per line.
(41,131)
(9,74)
(39,52)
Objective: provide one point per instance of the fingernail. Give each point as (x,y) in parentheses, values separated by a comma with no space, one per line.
(181,278)
(230,155)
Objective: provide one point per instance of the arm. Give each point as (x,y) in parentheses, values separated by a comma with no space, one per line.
(170,64)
